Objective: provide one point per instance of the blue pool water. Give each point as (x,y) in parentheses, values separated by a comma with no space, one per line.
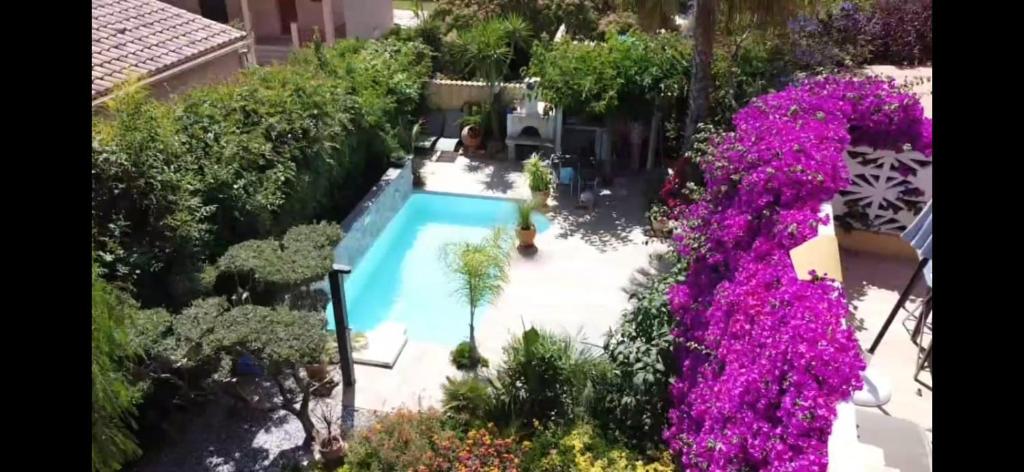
(402,279)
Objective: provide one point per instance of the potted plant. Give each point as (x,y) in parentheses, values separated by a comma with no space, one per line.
(472,129)
(316,369)
(658,214)
(525,229)
(539,178)
(331,445)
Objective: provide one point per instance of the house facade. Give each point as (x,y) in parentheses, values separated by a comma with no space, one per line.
(167,49)
(278,26)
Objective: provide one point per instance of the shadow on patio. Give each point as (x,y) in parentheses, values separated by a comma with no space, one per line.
(616,220)
(873,283)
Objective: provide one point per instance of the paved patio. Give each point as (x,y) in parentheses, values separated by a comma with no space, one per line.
(873,283)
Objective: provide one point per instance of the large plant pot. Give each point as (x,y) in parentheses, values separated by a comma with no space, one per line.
(540,199)
(526,236)
(472,136)
(316,372)
(334,450)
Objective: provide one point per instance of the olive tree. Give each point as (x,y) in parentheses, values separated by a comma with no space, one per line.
(265,308)
(213,333)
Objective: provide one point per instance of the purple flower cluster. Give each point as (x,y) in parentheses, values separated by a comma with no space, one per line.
(764,356)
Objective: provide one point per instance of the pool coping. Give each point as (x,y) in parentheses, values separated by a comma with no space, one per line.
(466,195)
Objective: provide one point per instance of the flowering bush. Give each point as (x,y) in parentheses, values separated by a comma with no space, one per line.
(764,357)
(397,441)
(480,451)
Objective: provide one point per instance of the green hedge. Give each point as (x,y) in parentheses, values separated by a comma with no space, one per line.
(175,184)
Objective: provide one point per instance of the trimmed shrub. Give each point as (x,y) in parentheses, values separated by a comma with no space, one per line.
(465,358)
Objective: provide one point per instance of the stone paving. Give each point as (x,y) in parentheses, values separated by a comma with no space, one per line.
(873,283)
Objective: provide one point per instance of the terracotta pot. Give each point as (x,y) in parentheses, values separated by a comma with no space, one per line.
(335,451)
(316,372)
(526,236)
(540,199)
(472,137)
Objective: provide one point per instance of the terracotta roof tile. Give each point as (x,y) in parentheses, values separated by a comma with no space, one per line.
(148,37)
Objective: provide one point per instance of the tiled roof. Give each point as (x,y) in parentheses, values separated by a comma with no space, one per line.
(147,37)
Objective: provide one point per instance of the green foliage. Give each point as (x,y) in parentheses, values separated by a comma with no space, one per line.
(485,50)
(398,441)
(148,215)
(524,211)
(544,378)
(114,395)
(479,115)
(632,399)
(479,269)
(175,184)
(212,333)
(538,174)
(543,17)
(468,402)
(746,67)
(628,74)
(653,15)
(582,449)
(270,272)
(465,358)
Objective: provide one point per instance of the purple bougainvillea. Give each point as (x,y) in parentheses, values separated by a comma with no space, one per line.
(765,357)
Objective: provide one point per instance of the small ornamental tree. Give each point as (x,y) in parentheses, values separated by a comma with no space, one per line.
(267,310)
(479,271)
(271,272)
(212,333)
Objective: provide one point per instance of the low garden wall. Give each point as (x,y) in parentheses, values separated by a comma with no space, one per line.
(453,94)
(373,213)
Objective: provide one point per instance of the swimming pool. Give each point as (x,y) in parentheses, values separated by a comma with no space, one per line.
(401,277)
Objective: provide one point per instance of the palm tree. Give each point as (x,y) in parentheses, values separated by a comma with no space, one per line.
(479,270)
(744,13)
(486,50)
